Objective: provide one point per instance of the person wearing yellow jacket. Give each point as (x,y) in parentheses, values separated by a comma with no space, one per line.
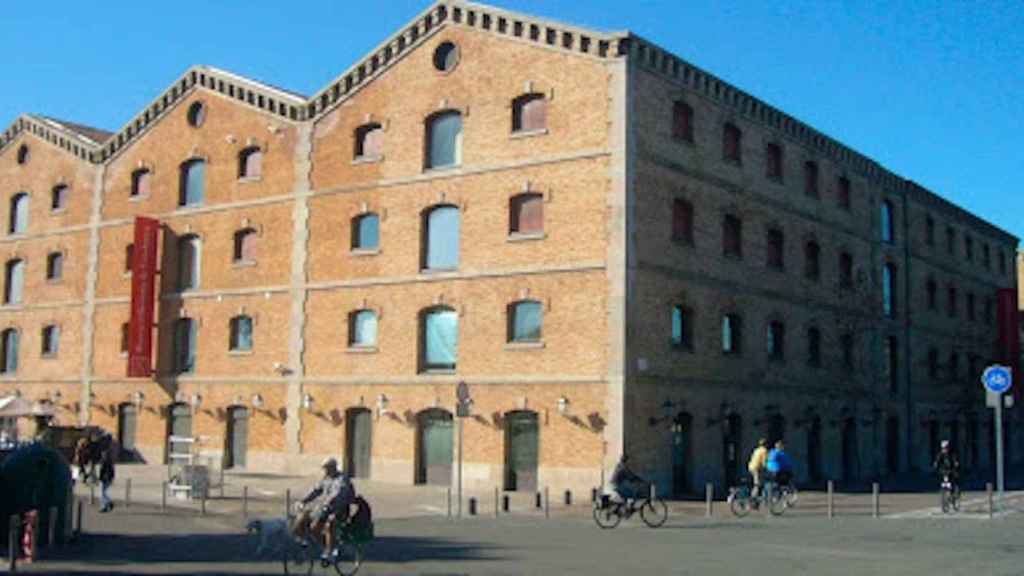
(756,466)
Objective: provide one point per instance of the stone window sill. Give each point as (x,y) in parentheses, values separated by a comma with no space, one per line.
(528,134)
(243,263)
(48,355)
(12,306)
(363,252)
(53,281)
(438,372)
(239,353)
(526,236)
(438,271)
(516,346)
(250,179)
(367,160)
(356,349)
(138,198)
(685,141)
(58,211)
(442,169)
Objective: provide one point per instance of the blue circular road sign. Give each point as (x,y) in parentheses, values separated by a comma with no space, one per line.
(997,379)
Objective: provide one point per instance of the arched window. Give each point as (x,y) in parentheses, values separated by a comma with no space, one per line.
(444,140)
(24,153)
(813,347)
(59,197)
(9,363)
(845,270)
(812,261)
(241,334)
(776,340)
(18,223)
(140,182)
(775,257)
(441,250)
(196,114)
(193,183)
(14,280)
(439,342)
(889,290)
(886,222)
(369,141)
(732,236)
(682,121)
(529,113)
(731,140)
(682,221)
(185,346)
(245,245)
(50,340)
(732,334)
(189,259)
(843,196)
(526,214)
(525,321)
(362,329)
(366,232)
(931,288)
(682,327)
(773,161)
(250,162)
(811,178)
(54,266)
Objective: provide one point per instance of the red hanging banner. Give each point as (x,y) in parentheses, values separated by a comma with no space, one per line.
(1009,335)
(140,328)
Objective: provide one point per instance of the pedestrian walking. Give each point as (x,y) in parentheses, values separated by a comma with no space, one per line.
(106,479)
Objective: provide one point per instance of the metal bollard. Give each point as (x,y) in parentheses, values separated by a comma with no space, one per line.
(34,553)
(163,495)
(51,528)
(547,502)
(13,542)
(539,501)
(875,508)
(504,503)
(652,492)
(472,506)
(78,520)
(127,493)
(288,503)
(709,496)
(593,495)
(831,507)
(449,502)
(988,492)
(496,509)
(202,503)
(92,494)
(245,502)
(568,497)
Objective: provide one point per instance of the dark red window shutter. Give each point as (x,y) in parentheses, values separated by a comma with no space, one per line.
(527,214)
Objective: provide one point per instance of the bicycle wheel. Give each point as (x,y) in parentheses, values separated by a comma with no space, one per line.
(654,513)
(607,517)
(776,502)
(739,502)
(297,559)
(791,495)
(945,501)
(955,500)
(348,558)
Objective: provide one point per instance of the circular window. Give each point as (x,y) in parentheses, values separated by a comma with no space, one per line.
(196,114)
(446,57)
(23,154)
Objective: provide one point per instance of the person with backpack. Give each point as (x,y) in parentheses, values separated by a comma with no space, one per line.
(106,479)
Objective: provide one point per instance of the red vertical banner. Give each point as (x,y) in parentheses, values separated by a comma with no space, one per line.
(1009,336)
(140,328)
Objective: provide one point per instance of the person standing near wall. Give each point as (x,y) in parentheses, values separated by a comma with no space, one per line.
(106,479)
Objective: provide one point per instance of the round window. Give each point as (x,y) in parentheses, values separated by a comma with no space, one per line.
(446,57)
(23,154)
(196,114)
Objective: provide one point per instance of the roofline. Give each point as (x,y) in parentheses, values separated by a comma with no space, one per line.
(51,131)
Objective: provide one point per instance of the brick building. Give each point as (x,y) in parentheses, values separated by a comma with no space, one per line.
(613,248)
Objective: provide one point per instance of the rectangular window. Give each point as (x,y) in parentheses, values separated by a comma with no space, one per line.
(129,257)
(441,339)
(970,306)
(773,161)
(775,249)
(951,302)
(889,290)
(527,214)
(731,143)
(732,334)
(185,346)
(950,241)
(776,341)
(682,334)
(682,122)
(50,340)
(811,179)
(814,347)
(732,236)
(241,334)
(682,221)
(969,248)
(125,336)
(933,363)
(843,193)
(527,321)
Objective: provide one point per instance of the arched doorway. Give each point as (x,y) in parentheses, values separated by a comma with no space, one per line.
(127,425)
(238,437)
(434,447)
(850,456)
(892,444)
(814,450)
(522,447)
(179,423)
(358,442)
(682,453)
(731,438)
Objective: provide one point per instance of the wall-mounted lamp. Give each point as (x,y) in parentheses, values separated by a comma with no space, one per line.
(138,398)
(307,402)
(282,369)
(257,401)
(56,396)
(563,406)
(196,400)
(382,405)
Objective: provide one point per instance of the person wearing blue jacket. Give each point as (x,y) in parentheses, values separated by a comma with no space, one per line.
(779,466)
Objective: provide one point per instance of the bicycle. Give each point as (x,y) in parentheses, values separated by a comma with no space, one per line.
(742,501)
(608,513)
(346,556)
(950,495)
(789,493)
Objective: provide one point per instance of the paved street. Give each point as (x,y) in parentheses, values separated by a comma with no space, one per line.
(144,539)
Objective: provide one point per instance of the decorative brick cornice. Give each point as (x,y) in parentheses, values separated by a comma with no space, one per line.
(51,131)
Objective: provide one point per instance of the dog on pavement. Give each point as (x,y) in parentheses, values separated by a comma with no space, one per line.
(273,533)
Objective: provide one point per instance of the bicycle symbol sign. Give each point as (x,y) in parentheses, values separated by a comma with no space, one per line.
(997,379)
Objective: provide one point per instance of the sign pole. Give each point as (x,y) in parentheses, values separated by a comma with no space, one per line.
(998,380)
(999,447)
(460,469)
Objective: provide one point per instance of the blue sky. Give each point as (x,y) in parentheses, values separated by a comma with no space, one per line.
(930,89)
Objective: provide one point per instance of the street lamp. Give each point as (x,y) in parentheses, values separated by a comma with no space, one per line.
(382,405)
(307,402)
(138,398)
(666,409)
(257,401)
(563,406)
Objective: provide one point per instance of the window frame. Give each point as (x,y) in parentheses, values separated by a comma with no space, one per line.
(774,161)
(353,329)
(887,222)
(239,246)
(141,179)
(186,181)
(732,326)
(244,157)
(59,198)
(425,366)
(732,144)
(235,340)
(685,317)
(54,267)
(515,221)
(732,237)
(8,360)
(682,122)
(775,249)
(431,123)
(360,136)
(427,239)
(775,341)
(195,243)
(186,364)
(18,218)
(814,347)
(14,292)
(812,261)
(513,312)
(356,227)
(844,193)
(519,109)
(812,179)
(49,341)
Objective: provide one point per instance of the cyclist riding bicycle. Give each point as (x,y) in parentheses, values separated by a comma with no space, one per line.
(779,466)
(948,466)
(327,503)
(625,483)
(756,467)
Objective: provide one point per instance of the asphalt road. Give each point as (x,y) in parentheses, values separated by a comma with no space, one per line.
(143,540)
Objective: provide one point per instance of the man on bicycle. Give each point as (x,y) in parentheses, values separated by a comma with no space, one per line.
(756,465)
(948,466)
(328,502)
(624,481)
(779,466)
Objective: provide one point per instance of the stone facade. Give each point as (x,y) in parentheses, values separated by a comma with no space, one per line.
(605,270)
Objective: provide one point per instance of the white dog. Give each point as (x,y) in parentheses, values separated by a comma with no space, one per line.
(273,534)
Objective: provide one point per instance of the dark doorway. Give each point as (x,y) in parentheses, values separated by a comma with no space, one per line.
(850,456)
(775,429)
(358,442)
(933,440)
(954,437)
(814,450)
(521,451)
(179,424)
(732,437)
(973,455)
(892,444)
(434,447)
(682,453)
(127,425)
(238,437)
